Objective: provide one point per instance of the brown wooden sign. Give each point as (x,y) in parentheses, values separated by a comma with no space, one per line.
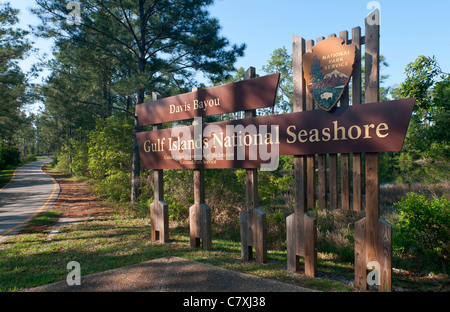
(255,142)
(239,96)
(327,70)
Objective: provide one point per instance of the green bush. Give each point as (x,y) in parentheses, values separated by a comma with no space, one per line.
(110,147)
(79,163)
(423,227)
(63,160)
(115,187)
(9,155)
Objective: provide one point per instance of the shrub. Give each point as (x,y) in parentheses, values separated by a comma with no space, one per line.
(115,187)
(110,147)
(423,226)
(9,155)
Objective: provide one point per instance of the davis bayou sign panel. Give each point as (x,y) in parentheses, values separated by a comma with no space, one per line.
(233,97)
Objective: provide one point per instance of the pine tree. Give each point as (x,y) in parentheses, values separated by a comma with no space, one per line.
(316,75)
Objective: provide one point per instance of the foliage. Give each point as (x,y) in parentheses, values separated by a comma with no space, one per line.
(14,86)
(428,133)
(281,62)
(110,147)
(423,226)
(9,155)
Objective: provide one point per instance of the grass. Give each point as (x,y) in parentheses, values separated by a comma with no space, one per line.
(111,236)
(6,175)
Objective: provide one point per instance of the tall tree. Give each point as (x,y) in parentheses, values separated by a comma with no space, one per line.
(428,130)
(13,82)
(156,42)
(281,62)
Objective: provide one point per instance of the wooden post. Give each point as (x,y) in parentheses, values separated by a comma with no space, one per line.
(356,100)
(322,172)
(200,213)
(253,219)
(373,235)
(301,227)
(333,176)
(345,158)
(159,209)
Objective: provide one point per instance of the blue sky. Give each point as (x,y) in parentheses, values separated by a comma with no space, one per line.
(408,28)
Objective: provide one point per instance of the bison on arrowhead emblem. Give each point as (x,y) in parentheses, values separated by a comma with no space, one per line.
(327,70)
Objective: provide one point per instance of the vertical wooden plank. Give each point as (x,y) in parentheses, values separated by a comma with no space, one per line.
(195,211)
(322,181)
(299,105)
(300,202)
(299,85)
(243,217)
(159,211)
(345,158)
(345,181)
(372,205)
(360,254)
(356,78)
(153,233)
(292,258)
(372,76)
(164,229)
(372,73)
(206,234)
(321,171)
(200,213)
(356,100)
(333,173)
(253,219)
(194,225)
(260,238)
(333,176)
(157,187)
(310,245)
(310,159)
(385,254)
(251,184)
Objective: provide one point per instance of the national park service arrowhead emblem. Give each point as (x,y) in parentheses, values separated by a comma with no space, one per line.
(327,70)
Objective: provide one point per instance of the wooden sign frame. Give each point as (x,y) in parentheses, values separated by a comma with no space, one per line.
(373,235)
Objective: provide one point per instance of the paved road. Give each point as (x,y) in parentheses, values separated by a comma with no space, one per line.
(30,191)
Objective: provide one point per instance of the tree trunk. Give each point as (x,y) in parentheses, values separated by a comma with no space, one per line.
(136,165)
